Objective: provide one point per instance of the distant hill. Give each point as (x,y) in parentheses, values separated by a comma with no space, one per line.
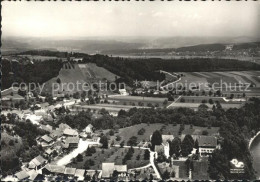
(92,45)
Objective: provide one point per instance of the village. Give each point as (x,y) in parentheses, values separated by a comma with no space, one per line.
(174,155)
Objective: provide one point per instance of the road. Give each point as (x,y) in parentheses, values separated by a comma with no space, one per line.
(82,146)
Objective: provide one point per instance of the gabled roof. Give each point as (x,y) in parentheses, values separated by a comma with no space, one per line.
(70,132)
(80,172)
(63,126)
(70,171)
(107,169)
(55,133)
(74,140)
(55,168)
(22,175)
(49,151)
(46,128)
(38,160)
(46,138)
(208,141)
(121,168)
(33,174)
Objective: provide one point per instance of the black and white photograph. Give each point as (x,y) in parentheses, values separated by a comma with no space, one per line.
(130,90)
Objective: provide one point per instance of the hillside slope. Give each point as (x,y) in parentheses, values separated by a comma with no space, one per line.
(72,78)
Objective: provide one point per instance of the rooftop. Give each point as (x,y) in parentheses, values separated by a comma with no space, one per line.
(70,171)
(70,132)
(107,169)
(46,138)
(55,168)
(22,175)
(207,141)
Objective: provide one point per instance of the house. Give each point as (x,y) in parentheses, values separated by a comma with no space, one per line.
(49,152)
(22,175)
(46,128)
(56,134)
(89,129)
(63,126)
(34,176)
(80,174)
(107,170)
(122,91)
(83,135)
(37,162)
(207,144)
(72,142)
(45,140)
(164,148)
(70,132)
(53,169)
(70,171)
(121,169)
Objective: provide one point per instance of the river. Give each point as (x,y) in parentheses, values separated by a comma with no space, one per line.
(255,150)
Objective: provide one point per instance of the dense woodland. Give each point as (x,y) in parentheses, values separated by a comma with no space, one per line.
(38,72)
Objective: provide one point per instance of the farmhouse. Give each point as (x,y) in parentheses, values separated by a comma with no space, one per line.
(109,168)
(207,144)
(53,169)
(164,148)
(70,171)
(34,176)
(22,175)
(56,134)
(70,132)
(46,140)
(72,142)
(80,174)
(37,162)
(63,126)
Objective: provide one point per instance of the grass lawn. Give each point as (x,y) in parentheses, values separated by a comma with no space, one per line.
(113,154)
(128,132)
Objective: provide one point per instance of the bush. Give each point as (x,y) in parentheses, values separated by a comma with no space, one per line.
(11,143)
(141,131)
(205,132)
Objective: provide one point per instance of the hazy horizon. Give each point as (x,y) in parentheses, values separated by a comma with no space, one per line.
(72,20)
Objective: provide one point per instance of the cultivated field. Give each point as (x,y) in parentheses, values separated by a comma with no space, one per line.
(114,154)
(232,78)
(128,132)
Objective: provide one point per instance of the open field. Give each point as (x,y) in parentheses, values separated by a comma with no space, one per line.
(73,76)
(233,77)
(134,100)
(196,105)
(114,154)
(200,99)
(128,132)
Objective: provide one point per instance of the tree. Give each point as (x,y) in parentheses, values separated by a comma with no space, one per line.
(104,142)
(211,101)
(166,175)
(175,147)
(187,145)
(132,141)
(141,131)
(156,139)
(79,157)
(146,155)
(205,132)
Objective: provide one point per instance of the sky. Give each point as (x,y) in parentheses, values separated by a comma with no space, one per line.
(87,19)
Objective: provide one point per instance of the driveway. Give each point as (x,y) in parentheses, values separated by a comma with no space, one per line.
(82,146)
